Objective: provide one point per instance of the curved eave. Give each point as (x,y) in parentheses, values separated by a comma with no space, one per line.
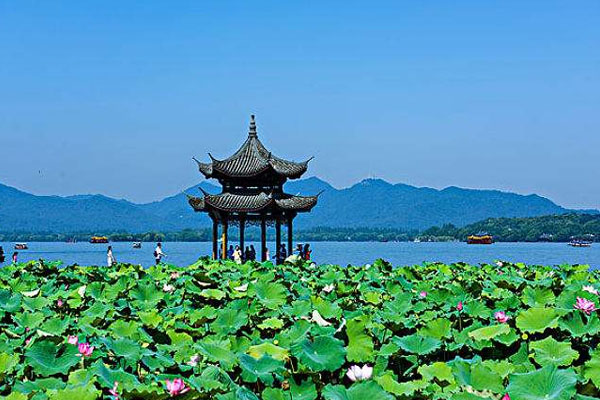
(197,203)
(298,203)
(205,168)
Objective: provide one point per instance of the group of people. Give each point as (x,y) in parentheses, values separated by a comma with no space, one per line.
(111,260)
(15,256)
(249,254)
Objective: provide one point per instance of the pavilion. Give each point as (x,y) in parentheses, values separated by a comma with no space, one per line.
(252,193)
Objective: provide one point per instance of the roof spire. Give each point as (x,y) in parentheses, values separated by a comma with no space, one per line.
(252,130)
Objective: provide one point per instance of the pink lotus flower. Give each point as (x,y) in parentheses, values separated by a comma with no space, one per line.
(459,306)
(176,387)
(356,373)
(114,392)
(59,303)
(174,275)
(585,305)
(506,397)
(423,294)
(27,341)
(72,339)
(501,317)
(590,289)
(85,349)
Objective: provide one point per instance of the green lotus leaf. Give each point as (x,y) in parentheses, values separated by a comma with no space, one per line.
(16,396)
(47,358)
(213,294)
(263,368)
(306,390)
(552,352)
(537,319)
(548,383)
(242,393)
(537,297)
(271,323)
(489,332)
(146,296)
(391,385)
(368,390)
(439,370)
(574,324)
(107,377)
(271,295)
(417,344)
(473,374)
(437,328)
(218,351)
(275,394)
(7,363)
(324,353)
(360,344)
(229,321)
(591,369)
(278,353)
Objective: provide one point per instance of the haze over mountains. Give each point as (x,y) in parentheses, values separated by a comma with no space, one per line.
(369,203)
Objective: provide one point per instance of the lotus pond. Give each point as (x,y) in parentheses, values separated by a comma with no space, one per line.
(299,332)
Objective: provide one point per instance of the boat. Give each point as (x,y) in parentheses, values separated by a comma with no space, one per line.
(580,243)
(98,239)
(137,245)
(21,246)
(480,238)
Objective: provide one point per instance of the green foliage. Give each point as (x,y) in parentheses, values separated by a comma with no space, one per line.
(285,338)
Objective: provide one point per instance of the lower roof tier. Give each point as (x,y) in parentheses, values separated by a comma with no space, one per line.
(229,202)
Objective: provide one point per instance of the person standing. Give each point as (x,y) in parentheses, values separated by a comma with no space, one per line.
(14,257)
(300,251)
(230,252)
(283,252)
(1,255)
(237,255)
(110,258)
(158,253)
(307,252)
(252,253)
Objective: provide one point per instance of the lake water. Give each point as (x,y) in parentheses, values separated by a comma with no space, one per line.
(404,253)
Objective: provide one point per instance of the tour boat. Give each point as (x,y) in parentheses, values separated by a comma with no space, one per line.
(580,243)
(99,239)
(480,238)
(137,245)
(21,246)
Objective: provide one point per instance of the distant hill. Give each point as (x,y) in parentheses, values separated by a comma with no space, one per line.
(552,228)
(371,203)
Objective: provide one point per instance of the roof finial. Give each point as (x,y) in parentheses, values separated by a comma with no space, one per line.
(252,131)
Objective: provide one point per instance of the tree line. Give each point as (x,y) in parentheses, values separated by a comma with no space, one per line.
(553,228)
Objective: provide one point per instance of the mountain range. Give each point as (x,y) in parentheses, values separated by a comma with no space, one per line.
(372,203)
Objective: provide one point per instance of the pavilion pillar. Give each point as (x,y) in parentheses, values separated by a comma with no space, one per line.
(290,235)
(215,240)
(278,240)
(242,229)
(263,239)
(224,240)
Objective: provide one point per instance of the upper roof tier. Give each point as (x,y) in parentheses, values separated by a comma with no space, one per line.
(251,161)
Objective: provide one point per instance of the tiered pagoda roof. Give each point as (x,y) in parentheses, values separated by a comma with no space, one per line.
(251,161)
(252,180)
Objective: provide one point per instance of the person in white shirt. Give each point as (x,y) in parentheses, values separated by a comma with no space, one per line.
(110,258)
(237,255)
(158,253)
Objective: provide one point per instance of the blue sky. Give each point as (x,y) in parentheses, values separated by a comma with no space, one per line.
(116,97)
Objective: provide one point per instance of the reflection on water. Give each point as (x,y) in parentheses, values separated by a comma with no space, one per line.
(325,252)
